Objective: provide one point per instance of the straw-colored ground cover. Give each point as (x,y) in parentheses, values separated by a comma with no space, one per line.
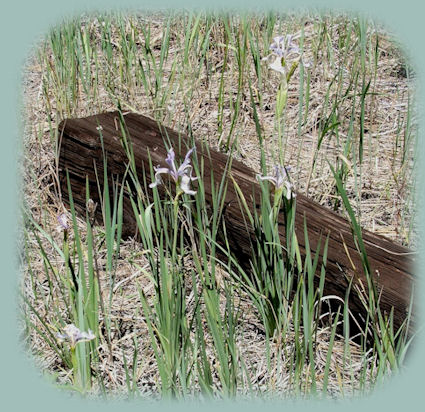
(205,74)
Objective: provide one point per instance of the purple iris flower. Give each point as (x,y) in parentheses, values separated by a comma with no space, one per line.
(63,223)
(282,49)
(73,335)
(283,46)
(181,176)
(280,179)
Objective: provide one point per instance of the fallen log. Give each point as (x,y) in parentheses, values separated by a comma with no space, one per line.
(81,155)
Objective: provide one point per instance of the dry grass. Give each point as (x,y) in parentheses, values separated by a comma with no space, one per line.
(386,187)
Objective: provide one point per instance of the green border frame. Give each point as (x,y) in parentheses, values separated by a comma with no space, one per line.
(21,385)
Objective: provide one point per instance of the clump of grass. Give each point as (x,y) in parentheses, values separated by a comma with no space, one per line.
(204,74)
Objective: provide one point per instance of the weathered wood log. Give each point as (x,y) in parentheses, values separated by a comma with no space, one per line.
(82,156)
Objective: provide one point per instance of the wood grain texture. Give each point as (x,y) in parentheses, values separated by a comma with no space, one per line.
(81,154)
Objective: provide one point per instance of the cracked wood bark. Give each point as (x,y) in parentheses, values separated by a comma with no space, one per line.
(81,153)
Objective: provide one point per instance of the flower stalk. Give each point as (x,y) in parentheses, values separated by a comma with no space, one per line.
(283,51)
(64,227)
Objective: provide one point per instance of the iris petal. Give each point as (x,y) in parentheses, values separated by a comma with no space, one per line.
(277,65)
(184,185)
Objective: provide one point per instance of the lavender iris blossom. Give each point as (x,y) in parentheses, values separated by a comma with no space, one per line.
(181,176)
(63,223)
(73,335)
(283,46)
(280,179)
(282,49)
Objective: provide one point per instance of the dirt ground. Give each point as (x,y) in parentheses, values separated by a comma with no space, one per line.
(386,203)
